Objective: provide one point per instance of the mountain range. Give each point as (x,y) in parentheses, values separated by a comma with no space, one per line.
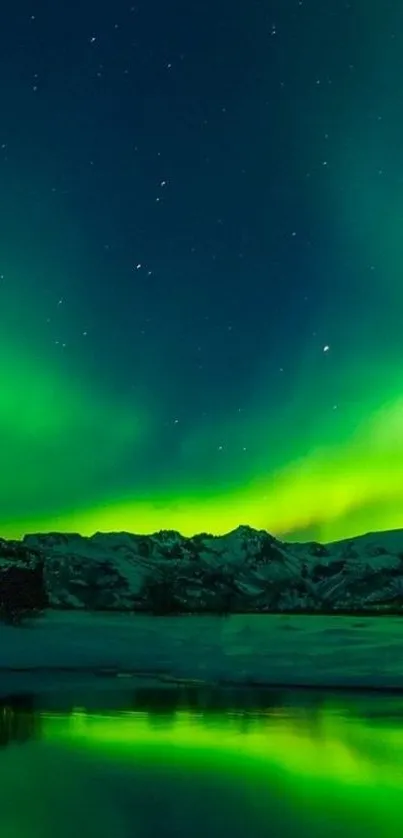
(244,571)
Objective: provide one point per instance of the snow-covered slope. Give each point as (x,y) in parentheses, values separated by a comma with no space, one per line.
(245,570)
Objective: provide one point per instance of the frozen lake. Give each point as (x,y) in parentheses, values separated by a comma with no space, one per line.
(263,650)
(121,725)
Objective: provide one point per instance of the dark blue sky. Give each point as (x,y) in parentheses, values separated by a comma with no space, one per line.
(192,206)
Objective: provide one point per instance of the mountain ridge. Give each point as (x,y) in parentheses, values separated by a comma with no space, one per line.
(243,571)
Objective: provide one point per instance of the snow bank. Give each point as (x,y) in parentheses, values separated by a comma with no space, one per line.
(256,649)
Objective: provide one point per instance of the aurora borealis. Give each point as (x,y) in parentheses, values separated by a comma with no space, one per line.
(200,262)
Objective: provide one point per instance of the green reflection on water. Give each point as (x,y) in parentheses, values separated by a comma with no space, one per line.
(284,771)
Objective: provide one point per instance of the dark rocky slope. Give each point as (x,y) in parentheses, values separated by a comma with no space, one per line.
(243,571)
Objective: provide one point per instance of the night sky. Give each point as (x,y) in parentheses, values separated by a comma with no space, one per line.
(201,255)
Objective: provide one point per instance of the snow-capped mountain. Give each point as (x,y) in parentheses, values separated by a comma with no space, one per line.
(243,571)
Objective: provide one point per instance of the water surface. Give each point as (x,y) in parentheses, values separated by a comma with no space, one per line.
(197,763)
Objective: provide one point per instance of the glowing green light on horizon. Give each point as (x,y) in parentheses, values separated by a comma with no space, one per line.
(70,454)
(337,492)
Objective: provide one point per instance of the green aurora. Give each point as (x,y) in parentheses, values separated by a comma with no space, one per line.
(62,440)
(327,463)
(305,442)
